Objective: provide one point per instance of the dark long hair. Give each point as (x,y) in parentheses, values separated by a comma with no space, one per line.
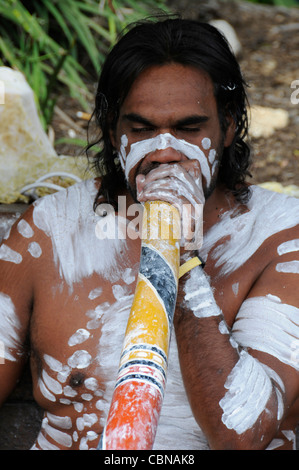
(187,42)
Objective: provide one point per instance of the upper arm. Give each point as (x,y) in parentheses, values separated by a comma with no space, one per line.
(16,297)
(268,321)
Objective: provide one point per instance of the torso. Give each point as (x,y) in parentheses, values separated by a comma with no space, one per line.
(77,334)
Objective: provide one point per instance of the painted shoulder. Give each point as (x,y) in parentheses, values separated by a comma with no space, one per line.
(70,204)
(273,206)
(268,214)
(68,218)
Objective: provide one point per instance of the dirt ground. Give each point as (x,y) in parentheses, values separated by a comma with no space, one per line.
(269,58)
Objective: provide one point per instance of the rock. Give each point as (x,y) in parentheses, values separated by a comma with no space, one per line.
(290,190)
(26,153)
(264,121)
(229,33)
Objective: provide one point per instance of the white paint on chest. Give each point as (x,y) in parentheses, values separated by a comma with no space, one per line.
(67,217)
(79,337)
(177,427)
(95,293)
(81,359)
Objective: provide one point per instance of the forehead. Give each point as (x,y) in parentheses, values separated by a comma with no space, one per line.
(171,88)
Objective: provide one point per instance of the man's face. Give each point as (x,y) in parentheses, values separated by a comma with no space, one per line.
(170,100)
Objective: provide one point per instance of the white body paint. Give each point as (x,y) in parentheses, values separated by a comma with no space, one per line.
(249,389)
(34,249)
(199,297)
(268,325)
(139,149)
(9,326)
(177,426)
(24,229)
(59,216)
(288,247)
(79,337)
(67,217)
(268,213)
(288,267)
(7,254)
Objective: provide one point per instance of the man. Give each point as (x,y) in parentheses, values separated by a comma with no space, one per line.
(171,106)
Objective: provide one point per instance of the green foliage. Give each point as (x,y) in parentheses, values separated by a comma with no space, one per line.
(62,42)
(282,3)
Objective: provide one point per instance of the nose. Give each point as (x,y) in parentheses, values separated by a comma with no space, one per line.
(167,155)
(166,150)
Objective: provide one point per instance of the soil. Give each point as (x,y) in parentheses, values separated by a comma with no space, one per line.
(270,63)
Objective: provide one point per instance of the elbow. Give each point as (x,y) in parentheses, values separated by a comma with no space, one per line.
(250,440)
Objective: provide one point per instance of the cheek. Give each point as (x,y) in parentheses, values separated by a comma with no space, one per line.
(123,151)
(211,151)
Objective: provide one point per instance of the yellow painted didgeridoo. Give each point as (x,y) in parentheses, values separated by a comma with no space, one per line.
(138,394)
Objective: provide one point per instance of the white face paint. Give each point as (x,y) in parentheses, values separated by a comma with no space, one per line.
(140,149)
(206,143)
(268,325)
(249,388)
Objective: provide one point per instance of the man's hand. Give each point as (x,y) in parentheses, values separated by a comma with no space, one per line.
(179,184)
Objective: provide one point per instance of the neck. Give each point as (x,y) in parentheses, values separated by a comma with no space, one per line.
(220,201)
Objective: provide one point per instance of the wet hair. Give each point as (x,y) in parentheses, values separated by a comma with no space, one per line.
(153,42)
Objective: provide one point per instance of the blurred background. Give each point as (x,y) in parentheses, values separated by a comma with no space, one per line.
(60,47)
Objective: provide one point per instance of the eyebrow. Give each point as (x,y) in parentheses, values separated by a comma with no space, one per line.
(186,121)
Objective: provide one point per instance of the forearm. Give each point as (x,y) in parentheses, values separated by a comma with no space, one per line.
(228,389)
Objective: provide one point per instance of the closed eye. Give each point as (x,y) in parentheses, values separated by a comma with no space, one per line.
(188,129)
(141,129)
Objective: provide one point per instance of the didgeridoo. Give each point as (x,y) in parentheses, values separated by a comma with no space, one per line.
(138,394)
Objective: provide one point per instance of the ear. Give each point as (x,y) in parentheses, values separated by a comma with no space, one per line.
(230,131)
